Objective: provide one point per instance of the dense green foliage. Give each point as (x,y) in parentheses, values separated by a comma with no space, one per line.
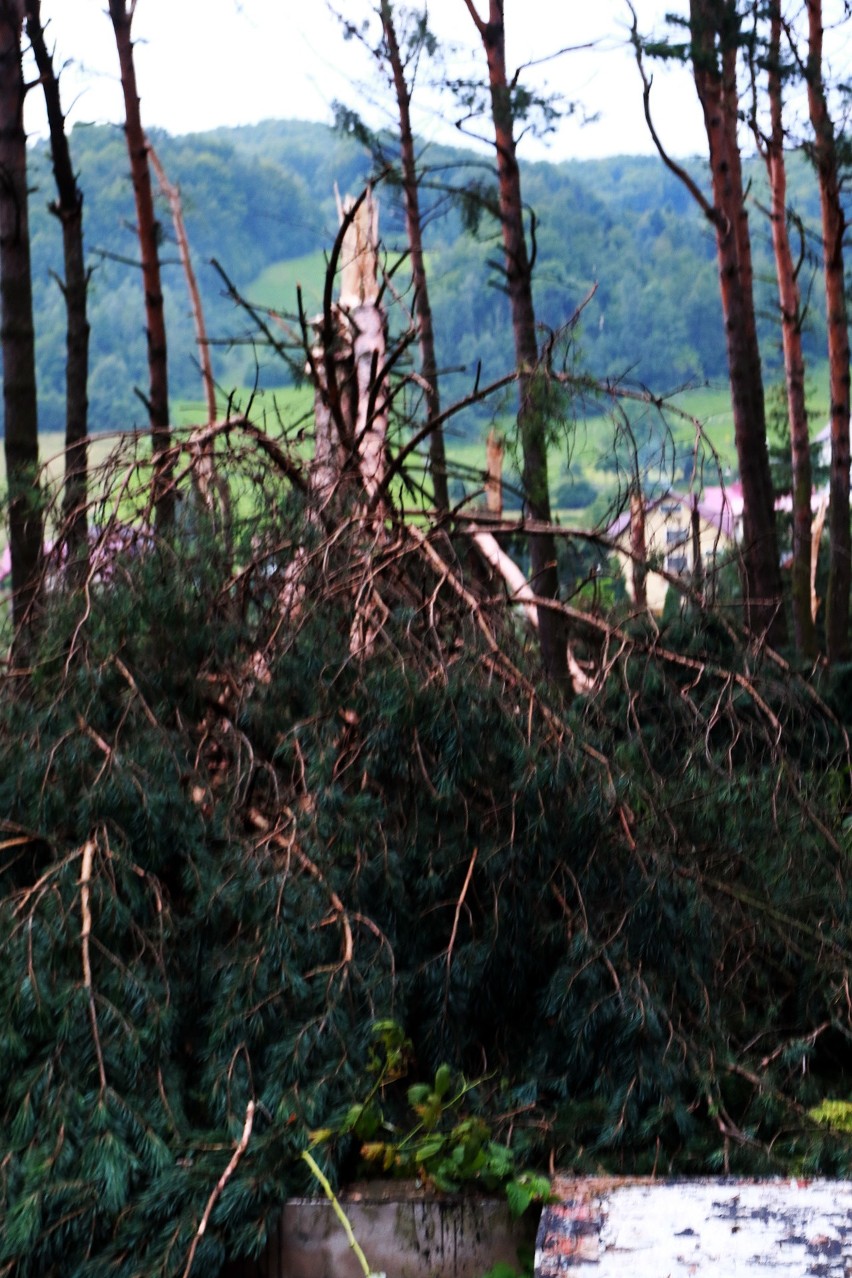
(635,913)
(254,197)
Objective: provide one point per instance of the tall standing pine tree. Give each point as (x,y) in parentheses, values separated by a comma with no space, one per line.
(532,424)
(18,339)
(121,12)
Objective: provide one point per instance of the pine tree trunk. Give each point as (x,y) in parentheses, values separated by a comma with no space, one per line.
(158,385)
(714,71)
(794,365)
(68,208)
(17,336)
(833,230)
(638,549)
(422,306)
(532,423)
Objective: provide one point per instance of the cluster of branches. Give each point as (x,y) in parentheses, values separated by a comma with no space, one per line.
(344,797)
(347,794)
(719,38)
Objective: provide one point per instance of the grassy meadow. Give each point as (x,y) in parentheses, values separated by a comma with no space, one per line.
(583,448)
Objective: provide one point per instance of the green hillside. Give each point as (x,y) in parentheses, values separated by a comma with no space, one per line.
(260,200)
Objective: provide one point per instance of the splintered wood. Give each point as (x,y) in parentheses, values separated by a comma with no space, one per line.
(356,416)
(710,1229)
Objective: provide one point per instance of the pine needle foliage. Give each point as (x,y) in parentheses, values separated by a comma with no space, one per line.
(246,811)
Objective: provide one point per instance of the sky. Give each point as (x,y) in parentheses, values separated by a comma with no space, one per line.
(205,63)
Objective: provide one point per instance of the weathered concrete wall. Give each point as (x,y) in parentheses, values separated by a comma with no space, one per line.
(707,1228)
(417,1237)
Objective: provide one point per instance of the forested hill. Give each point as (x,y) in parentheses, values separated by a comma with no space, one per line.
(261,201)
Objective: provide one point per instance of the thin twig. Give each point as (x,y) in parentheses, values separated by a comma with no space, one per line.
(222,1182)
(459,904)
(85,933)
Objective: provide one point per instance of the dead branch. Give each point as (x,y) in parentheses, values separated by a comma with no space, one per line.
(242,1145)
(291,847)
(85,934)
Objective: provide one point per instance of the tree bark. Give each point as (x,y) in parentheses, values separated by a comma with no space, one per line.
(414,229)
(544,578)
(638,549)
(68,208)
(121,14)
(791,332)
(17,336)
(833,230)
(210,486)
(714,28)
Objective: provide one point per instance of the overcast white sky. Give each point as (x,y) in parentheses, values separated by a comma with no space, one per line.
(203,63)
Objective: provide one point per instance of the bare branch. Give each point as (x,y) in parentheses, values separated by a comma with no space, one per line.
(222,1182)
(672,165)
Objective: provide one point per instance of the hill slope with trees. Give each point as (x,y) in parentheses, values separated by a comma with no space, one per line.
(257,196)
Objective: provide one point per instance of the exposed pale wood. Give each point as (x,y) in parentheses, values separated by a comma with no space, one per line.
(816,538)
(520,589)
(521,592)
(359,261)
(172,194)
(209,486)
(494,450)
(359,352)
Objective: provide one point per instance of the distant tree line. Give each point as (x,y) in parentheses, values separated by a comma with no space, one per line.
(257,195)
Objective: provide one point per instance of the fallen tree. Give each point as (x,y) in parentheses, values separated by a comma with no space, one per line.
(218,870)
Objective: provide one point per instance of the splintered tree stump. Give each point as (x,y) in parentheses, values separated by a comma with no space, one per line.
(706,1228)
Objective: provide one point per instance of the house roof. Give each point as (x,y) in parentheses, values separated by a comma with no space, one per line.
(718,506)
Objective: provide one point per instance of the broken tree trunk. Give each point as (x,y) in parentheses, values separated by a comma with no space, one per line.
(347,364)
(209,486)
(494,449)
(359,302)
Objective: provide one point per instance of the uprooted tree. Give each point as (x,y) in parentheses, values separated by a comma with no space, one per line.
(217,871)
(276,781)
